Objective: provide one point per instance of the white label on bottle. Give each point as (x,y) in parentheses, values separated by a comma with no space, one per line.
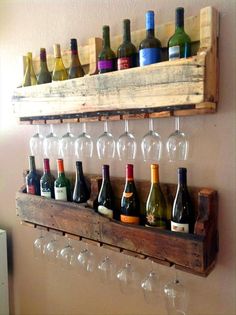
(179,227)
(105,211)
(60,193)
(174,52)
(46,194)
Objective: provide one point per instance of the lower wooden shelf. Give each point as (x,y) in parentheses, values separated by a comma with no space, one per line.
(195,253)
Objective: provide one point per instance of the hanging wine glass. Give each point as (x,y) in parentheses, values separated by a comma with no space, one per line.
(106,270)
(51,145)
(127,278)
(36,144)
(177,144)
(86,260)
(83,145)
(151,286)
(106,144)
(52,249)
(39,245)
(176,297)
(66,255)
(66,144)
(151,144)
(126,145)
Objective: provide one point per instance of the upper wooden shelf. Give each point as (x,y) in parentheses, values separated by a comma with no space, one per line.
(180,87)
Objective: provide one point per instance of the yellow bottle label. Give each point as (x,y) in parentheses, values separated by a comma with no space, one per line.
(129,219)
(127,194)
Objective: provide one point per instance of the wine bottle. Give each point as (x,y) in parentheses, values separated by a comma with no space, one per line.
(44,75)
(62,184)
(32,178)
(127,52)
(179,45)
(156,204)
(169,207)
(47,181)
(81,191)
(29,76)
(59,71)
(75,70)
(130,206)
(106,58)
(105,196)
(150,47)
(182,218)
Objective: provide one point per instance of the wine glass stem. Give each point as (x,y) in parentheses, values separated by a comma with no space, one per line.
(105,126)
(68,127)
(126,126)
(151,124)
(37,129)
(177,123)
(84,127)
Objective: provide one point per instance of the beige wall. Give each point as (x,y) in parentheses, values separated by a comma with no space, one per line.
(37,287)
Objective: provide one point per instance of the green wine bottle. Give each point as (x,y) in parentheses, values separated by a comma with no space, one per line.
(130,205)
(29,76)
(150,47)
(75,70)
(62,184)
(183,216)
(81,191)
(106,58)
(127,52)
(179,45)
(47,181)
(44,75)
(32,178)
(59,71)
(105,197)
(156,204)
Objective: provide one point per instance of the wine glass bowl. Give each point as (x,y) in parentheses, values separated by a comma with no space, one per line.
(127,278)
(177,144)
(51,144)
(106,270)
(84,145)
(106,144)
(151,144)
(39,245)
(66,144)
(36,144)
(151,287)
(126,145)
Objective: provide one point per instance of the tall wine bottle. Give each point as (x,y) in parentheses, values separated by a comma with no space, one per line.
(105,197)
(156,204)
(62,184)
(150,47)
(130,206)
(127,52)
(106,58)
(81,191)
(47,181)
(59,71)
(44,75)
(32,178)
(183,217)
(75,70)
(179,45)
(29,76)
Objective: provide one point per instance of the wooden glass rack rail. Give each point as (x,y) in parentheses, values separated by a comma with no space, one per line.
(181,87)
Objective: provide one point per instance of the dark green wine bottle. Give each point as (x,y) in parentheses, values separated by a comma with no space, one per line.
(127,52)
(179,45)
(130,205)
(156,204)
(183,217)
(62,184)
(44,75)
(150,47)
(47,181)
(81,191)
(106,198)
(32,178)
(106,58)
(75,70)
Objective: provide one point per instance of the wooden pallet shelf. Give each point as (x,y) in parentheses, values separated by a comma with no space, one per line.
(195,253)
(182,87)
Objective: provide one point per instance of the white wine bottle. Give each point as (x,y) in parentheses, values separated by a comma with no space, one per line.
(156,204)
(182,217)
(29,76)
(59,71)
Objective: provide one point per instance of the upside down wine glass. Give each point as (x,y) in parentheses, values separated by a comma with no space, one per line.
(106,144)
(51,145)
(66,144)
(126,145)
(177,144)
(84,145)
(36,144)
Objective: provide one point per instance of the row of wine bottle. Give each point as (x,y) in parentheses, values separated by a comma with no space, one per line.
(178,217)
(149,52)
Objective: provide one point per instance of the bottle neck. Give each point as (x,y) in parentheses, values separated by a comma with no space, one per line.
(60,168)
(79,170)
(179,19)
(106,37)
(74,47)
(105,173)
(150,26)
(129,173)
(57,51)
(182,178)
(126,31)
(43,60)
(32,164)
(46,166)
(154,174)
